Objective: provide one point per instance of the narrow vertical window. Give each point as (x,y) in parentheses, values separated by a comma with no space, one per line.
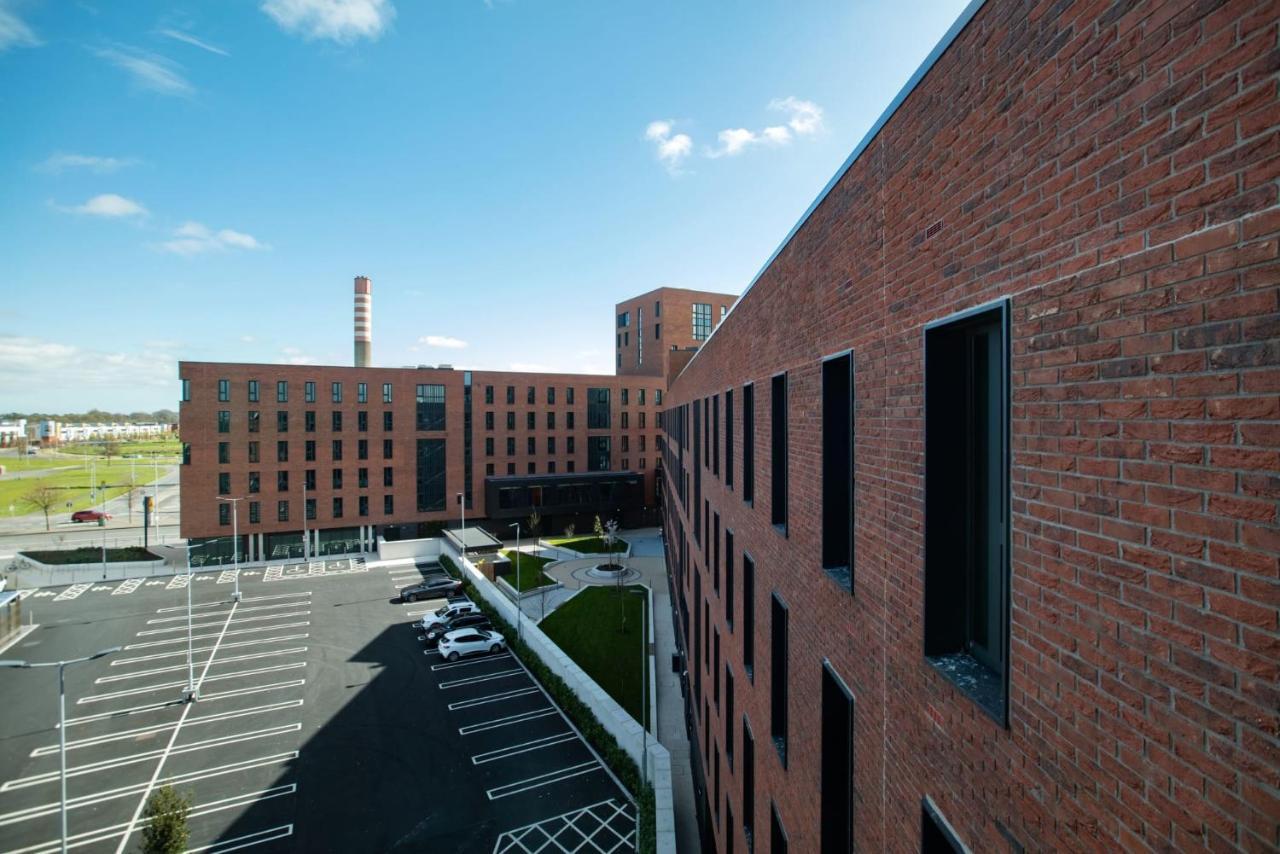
(728,715)
(253,391)
(715,553)
(748,783)
(282,391)
(386,392)
(362,392)
(966,607)
(728,438)
(837,764)
(749,443)
(728,578)
(748,616)
(715,435)
(777,834)
(224,391)
(778,677)
(837,469)
(778,457)
(936,834)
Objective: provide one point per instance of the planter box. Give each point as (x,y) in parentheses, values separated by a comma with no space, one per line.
(33,573)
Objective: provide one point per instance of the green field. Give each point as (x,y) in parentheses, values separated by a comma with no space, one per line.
(589,629)
(168,447)
(588,545)
(72,484)
(44,461)
(530,573)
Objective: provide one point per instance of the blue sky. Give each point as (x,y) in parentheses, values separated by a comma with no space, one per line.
(203,180)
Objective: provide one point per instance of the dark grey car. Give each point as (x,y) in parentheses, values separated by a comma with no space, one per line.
(431,588)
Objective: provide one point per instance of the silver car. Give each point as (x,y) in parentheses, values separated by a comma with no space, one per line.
(462,642)
(444,614)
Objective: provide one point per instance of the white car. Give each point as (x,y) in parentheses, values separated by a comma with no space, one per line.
(462,642)
(445,613)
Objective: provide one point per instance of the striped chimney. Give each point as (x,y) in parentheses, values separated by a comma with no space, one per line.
(364,321)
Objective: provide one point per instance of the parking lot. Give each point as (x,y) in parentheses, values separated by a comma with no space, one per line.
(320,725)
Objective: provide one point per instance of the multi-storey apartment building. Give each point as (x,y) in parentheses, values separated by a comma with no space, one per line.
(351,453)
(972,499)
(659,330)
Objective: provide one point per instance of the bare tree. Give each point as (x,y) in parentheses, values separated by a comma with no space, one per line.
(43,497)
(110,448)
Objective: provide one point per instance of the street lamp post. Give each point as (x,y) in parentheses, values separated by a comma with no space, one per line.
(519,609)
(191,694)
(235,540)
(62,720)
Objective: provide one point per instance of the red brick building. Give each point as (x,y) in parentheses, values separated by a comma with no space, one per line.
(382,450)
(658,330)
(972,500)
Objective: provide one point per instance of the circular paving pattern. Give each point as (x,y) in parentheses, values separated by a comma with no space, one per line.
(598,575)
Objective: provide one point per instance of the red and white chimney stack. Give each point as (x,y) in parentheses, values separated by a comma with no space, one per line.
(364,321)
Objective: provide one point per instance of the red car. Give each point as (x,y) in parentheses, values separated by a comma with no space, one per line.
(89,516)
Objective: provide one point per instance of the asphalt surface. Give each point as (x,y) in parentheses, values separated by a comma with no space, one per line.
(321,725)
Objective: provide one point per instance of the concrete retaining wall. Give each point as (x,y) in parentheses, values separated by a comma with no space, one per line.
(651,756)
(428,547)
(31,573)
(10,615)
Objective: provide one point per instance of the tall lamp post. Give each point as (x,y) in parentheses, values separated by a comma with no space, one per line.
(519,609)
(644,677)
(235,540)
(62,719)
(191,694)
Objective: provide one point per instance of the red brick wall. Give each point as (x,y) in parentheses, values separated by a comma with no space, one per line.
(676,320)
(1112,168)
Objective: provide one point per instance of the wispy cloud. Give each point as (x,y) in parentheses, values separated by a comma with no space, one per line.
(38,367)
(248,339)
(59,162)
(107,205)
(14,32)
(187,38)
(804,118)
(342,21)
(672,149)
(529,367)
(149,71)
(444,341)
(194,238)
(295,356)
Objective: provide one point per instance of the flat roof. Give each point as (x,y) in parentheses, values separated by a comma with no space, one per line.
(472,538)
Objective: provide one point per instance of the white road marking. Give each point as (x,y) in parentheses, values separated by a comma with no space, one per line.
(542,780)
(120,677)
(97,698)
(226,576)
(234,644)
(517,749)
(492,698)
(473,680)
(255,630)
(43,593)
(101,587)
(71,592)
(178,581)
(223,846)
(154,583)
(204,698)
(507,721)
(250,609)
(469,661)
(127,587)
(257,619)
(222,602)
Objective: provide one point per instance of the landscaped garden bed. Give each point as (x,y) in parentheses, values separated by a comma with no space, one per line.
(529,575)
(588,545)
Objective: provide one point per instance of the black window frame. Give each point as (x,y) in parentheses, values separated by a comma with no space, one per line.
(749,616)
(836,763)
(779,674)
(749,444)
(838,484)
(282,391)
(778,491)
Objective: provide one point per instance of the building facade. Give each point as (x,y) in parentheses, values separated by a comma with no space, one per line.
(971,501)
(656,331)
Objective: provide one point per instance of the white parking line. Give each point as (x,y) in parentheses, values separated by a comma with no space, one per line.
(487,660)
(120,677)
(178,581)
(546,779)
(473,680)
(126,587)
(129,692)
(526,747)
(223,846)
(158,655)
(227,576)
(251,608)
(507,721)
(71,592)
(222,602)
(259,618)
(492,698)
(155,728)
(204,698)
(166,642)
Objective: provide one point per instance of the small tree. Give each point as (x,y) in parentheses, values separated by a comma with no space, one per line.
(43,497)
(598,528)
(110,448)
(166,831)
(568,530)
(535,522)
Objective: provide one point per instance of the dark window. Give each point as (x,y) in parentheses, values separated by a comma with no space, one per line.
(309,450)
(531,446)
(386,449)
(777,835)
(533,468)
(837,469)
(255,481)
(715,669)
(253,391)
(749,443)
(836,783)
(569,444)
(511,468)
(363,505)
(728,438)
(748,783)
(511,421)
(728,715)
(551,421)
(387,474)
(728,578)
(282,421)
(551,444)
(701,321)
(282,511)
(388,505)
(430,407)
(186,453)
(337,479)
(336,447)
(966,483)
(309,507)
(309,480)
(253,452)
(282,452)
(309,391)
(386,421)
(224,483)
(488,421)
(362,478)
(337,508)
(568,395)
(336,390)
(282,481)
(568,420)
(488,446)
(778,677)
(936,835)
(255,420)
(362,421)
(529,423)
(488,469)
(511,446)
(362,392)
(569,467)
(598,453)
(511,394)
(309,421)
(657,330)
(224,421)
(362,449)
(224,453)
(597,408)
(715,435)
(255,512)
(748,616)
(778,459)
(224,391)
(386,392)
(488,394)
(551,395)
(336,421)
(431,481)
(715,553)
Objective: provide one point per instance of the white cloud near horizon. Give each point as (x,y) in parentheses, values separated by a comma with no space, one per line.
(38,367)
(530,367)
(445,341)
(187,38)
(672,149)
(295,356)
(195,238)
(108,205)
(59,162)
(804,118)
(14,32)
(341,21)
(149,71)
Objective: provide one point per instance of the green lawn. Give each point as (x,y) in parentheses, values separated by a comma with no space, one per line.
(168,447)
(588,545)
(588,629)
(42,461)
(72,484)
(530,573)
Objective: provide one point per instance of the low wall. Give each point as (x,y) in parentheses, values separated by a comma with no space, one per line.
(25,572)
(427,547)
(561,553)
(10,615)
(651,757)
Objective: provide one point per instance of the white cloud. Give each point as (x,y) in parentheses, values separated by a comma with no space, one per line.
(194,238)
(60,162)
(13,30)
(530,367)
(672,149)
(187,38)
(148,70)
(248,339)
(804,119)
(109,205)
(444,341)
(806,116)
(342,21)
(42,369)
(295,356)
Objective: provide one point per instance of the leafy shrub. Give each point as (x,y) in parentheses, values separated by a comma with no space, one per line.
(166,831)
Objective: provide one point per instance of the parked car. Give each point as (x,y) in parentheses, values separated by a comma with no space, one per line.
(441,585)
(445,613)
(470,642)
(466,621)
(89,516)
